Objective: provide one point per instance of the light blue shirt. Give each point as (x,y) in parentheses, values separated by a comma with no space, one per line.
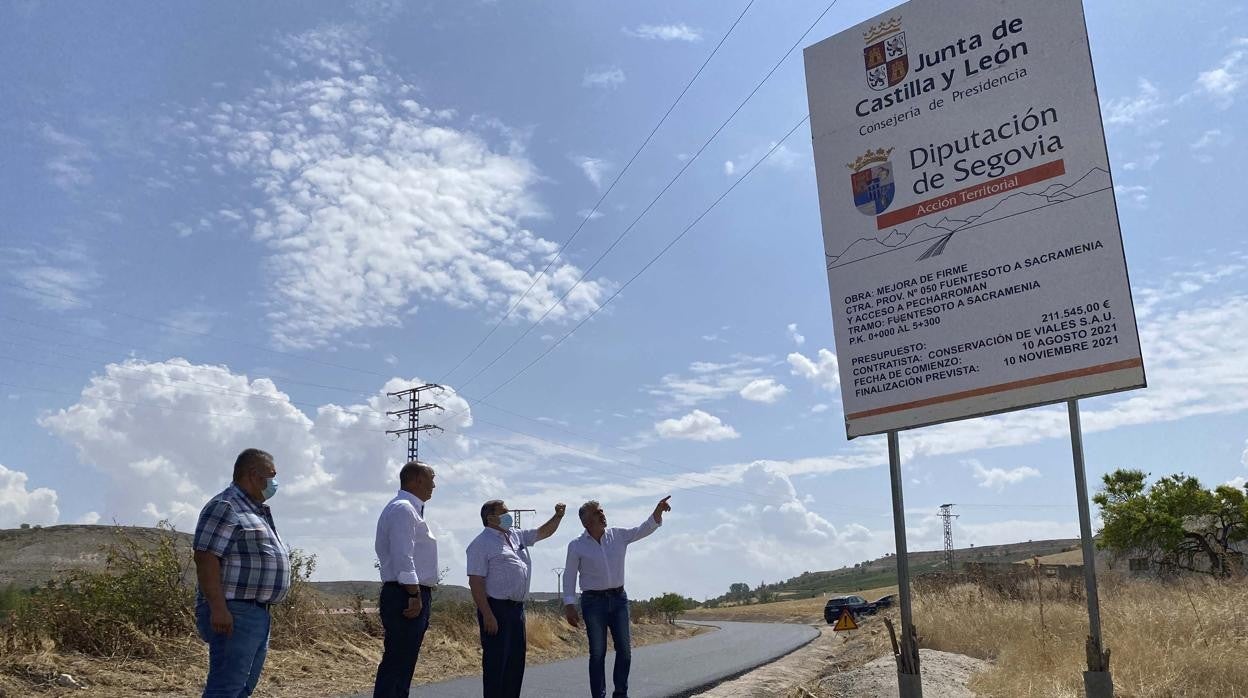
(503,559)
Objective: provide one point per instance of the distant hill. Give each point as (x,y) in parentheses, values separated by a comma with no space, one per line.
(30,557)
(882,571)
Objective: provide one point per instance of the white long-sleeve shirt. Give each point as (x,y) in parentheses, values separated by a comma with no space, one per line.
(600,564)
(405,546)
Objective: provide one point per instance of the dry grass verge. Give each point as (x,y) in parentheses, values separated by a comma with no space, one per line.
(1188,638)
(129,631)
(339,660)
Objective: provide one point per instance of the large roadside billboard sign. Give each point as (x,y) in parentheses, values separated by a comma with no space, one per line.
(974,257)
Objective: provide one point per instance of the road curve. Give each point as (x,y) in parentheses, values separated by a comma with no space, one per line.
(674,668)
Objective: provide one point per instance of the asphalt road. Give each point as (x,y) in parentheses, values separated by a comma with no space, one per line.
(668,669)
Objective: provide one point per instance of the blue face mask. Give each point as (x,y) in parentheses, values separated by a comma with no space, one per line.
(505,520)
(270,488)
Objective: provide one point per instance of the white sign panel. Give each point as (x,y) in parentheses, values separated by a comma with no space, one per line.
(972,244)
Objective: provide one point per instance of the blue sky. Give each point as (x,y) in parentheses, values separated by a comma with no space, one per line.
(232,227)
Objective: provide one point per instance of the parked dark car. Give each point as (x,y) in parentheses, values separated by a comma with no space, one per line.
(857,606)
(885,601)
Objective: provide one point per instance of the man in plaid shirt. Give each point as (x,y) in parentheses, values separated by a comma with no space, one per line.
(243,568)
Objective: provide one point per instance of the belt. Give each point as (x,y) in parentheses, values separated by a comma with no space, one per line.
(616,590)
(262,604)
(507,602)
(423,587)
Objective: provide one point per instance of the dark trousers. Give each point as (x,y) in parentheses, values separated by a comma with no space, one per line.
(502,654)
(402,644)
(603,611)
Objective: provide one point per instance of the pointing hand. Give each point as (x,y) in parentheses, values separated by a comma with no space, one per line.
(661,507)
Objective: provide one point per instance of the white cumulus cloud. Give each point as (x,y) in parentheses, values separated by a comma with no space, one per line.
(696,426)
(19,505)
(823,373)
(764,390)
(998,478)
(796,336)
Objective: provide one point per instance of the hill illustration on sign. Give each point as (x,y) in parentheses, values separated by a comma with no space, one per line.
(1094,181)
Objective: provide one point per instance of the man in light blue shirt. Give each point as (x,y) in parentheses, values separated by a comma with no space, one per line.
(499,572)
(597,557)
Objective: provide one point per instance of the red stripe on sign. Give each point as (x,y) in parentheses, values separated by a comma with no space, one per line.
(992,187)
(1002,387)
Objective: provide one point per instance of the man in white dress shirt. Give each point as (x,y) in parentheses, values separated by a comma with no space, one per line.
(408,554)
(499,571)
(597,557)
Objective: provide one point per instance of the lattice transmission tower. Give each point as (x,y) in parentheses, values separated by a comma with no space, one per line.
(415,406)
(946,513)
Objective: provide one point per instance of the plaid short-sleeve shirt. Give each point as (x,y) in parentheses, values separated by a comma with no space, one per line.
(255,563)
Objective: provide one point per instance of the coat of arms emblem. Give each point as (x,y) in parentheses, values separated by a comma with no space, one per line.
(885,55)
(872,181)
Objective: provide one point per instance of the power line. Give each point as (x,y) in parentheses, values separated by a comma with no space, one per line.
(648,264)
(590,215)
(666,187)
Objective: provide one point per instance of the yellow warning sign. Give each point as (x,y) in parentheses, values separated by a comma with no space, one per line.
(845,622)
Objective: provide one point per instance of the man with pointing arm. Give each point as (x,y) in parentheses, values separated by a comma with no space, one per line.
(597,557)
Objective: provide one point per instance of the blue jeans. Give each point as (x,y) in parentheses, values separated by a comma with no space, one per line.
(603,611)
(401,647)
(235,660)
(502,654)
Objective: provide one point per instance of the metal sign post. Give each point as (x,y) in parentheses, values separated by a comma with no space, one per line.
(1097,681)
(909,682)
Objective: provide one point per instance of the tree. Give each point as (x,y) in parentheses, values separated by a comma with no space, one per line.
(739,592)
(670,605)
(1175,521)
(764,594)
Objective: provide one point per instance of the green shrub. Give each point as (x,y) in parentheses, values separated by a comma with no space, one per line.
(143,598)
(126,610)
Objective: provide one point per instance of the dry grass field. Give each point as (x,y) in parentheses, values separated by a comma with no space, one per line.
(796,611)
(1187,639)
(339,660)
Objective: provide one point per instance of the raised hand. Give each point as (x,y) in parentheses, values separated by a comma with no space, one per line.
(661,507)
(560,508)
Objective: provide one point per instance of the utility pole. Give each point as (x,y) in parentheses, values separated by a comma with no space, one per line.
(520,514)
(558,582)
(414,407)
(946,513)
